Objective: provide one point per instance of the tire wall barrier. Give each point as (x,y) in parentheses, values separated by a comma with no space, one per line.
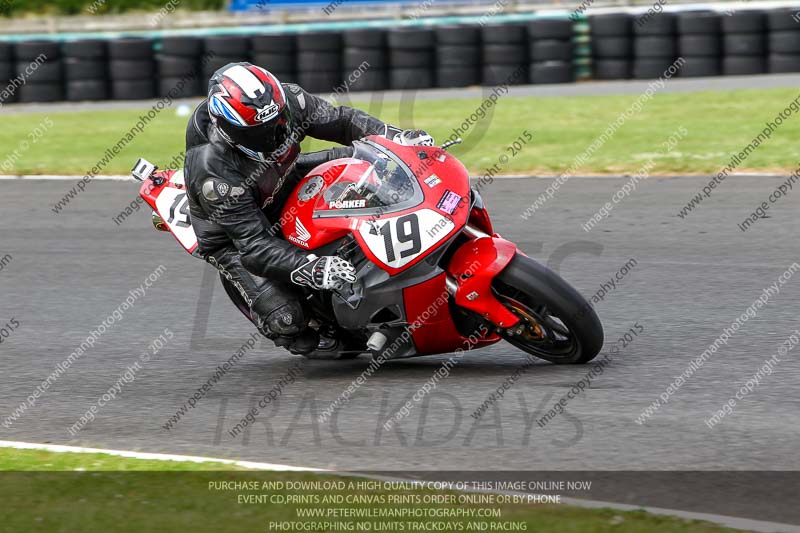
(711,43)
(608,46)
(372,59)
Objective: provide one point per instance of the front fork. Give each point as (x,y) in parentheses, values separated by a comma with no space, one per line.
(473,268)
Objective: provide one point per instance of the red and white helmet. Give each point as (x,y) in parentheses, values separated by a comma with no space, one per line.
(248,107)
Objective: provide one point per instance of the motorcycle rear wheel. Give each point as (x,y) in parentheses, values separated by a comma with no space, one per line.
(558,324)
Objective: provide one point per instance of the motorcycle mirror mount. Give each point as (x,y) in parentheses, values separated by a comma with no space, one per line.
(448,144)
(143,169)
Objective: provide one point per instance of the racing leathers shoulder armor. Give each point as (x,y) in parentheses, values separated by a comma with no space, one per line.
(229,193)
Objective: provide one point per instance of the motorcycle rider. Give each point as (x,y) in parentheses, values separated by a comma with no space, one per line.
(242,160)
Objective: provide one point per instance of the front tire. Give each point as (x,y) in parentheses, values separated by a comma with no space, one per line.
(558,324)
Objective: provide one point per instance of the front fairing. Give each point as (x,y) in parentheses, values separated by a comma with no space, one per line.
(397,224)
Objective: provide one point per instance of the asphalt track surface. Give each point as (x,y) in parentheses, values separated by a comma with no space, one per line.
(693,277)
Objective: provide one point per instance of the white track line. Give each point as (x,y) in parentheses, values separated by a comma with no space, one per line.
(153,456)
(66,178)
(729,521)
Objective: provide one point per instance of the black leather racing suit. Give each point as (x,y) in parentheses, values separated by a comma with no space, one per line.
(235,204)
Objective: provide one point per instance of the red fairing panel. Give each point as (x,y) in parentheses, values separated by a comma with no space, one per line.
(428,312)
(297,219)
(474,266)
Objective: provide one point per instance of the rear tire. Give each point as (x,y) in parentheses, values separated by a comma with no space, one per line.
(536,287)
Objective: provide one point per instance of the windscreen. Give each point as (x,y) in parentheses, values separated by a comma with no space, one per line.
(376,183)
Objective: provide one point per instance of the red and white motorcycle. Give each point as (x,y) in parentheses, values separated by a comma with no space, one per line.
(432,275)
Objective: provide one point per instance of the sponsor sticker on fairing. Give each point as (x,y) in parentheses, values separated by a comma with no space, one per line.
(302,234)
(449,202)
(432,181)
(347,204)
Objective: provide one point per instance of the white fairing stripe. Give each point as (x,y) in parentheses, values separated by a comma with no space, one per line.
(249,82)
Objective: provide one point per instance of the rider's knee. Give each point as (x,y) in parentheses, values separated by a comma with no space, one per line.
(279,315)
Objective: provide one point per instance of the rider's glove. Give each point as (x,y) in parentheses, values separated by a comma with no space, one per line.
(327,272)
(414,138)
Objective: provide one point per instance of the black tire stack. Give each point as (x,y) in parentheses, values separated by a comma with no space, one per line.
(412,58)
(40,63)
(7,93)
(276,53)
(744,43)
(654,45)
(458,56)
(784,41)
(85,70)
(179,67)
(319,61)
(131,69)
(612,45)
(550,51)
(219,50)
(699,43)
(505,54)
(364,60)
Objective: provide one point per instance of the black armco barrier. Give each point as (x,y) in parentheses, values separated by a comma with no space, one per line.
(622,45)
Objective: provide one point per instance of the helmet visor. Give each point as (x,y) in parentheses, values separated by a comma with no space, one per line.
(265,138)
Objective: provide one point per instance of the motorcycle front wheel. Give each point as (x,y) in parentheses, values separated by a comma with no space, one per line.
(557,324)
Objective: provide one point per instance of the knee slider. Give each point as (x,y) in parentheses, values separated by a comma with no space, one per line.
(287,319)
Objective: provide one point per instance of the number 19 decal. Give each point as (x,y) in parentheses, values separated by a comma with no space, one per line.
(406,230)
(397,241)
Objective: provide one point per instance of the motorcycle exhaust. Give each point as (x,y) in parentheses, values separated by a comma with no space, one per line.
(159,223)
(376,341)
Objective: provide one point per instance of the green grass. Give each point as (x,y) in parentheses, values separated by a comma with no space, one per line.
(156,496)
(719,124)
(43,461)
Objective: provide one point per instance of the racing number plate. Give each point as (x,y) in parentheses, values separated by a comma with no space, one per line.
(397,241)
(173,207)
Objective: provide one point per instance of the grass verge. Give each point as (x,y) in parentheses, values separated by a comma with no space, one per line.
(719,124)
(66,492)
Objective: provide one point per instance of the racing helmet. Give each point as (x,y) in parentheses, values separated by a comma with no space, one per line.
(248,108)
